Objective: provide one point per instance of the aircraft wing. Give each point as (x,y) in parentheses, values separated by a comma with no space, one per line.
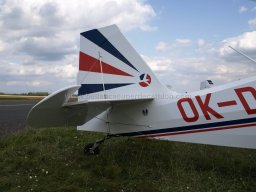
(56,111)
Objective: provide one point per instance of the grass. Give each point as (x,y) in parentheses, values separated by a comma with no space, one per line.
(53,160)
(20,97)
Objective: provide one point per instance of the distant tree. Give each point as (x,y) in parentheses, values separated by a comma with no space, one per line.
(37,93)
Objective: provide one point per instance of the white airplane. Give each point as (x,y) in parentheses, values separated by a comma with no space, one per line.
(118,94)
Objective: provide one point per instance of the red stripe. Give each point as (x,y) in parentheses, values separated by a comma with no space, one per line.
(88,63)
(201,130)
(227,103)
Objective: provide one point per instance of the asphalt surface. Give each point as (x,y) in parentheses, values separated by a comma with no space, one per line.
(13,115)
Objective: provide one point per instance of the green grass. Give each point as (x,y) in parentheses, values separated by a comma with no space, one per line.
(53,160)
(20,97)
(17,98)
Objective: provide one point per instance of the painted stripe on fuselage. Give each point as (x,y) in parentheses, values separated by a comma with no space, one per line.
(240,123)
(96,37)
(93,88)
(201,130)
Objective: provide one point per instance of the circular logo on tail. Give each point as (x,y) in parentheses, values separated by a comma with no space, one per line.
(145,80)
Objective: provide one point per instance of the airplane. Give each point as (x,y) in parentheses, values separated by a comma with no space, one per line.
(119,95)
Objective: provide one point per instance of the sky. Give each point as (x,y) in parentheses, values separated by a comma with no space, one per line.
(184,42)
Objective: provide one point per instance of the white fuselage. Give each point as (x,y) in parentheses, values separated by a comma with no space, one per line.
(222,115)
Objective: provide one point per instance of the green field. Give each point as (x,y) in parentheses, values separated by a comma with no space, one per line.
(20,97)
(53,160)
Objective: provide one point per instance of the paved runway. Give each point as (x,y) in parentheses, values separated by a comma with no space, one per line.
(13,115)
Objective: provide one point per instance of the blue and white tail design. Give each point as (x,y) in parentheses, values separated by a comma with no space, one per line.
(110,68)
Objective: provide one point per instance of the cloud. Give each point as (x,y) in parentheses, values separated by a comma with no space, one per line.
(186,74)
(162,46)
(2,46)
(28,77)
(245,42)
(27,83)
(47,48)
(182,42)
(159,64)
(178,43)
(66,71)
(200,43)
(252,23)
(75,14)
(215,61)
(182,74)
(40,42)
(207,60)
(243,9)
(40,39)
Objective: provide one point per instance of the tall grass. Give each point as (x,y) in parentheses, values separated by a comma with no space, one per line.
(53,160)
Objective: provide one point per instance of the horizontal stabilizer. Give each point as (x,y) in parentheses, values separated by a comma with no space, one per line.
(56,111)
(52,112)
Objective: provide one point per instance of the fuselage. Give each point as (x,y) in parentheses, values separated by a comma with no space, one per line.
(221,115)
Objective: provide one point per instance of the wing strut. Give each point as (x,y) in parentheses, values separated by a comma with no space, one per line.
(241,53)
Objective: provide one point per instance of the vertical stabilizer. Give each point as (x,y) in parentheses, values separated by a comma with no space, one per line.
(109,67)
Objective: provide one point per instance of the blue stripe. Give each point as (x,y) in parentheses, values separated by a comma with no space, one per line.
(191,127)
(96,37)
(93,88)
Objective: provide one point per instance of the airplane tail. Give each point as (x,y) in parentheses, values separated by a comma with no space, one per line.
(110,71)
(117,94)
(110,68)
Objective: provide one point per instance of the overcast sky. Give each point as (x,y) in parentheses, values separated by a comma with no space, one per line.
(184,42)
